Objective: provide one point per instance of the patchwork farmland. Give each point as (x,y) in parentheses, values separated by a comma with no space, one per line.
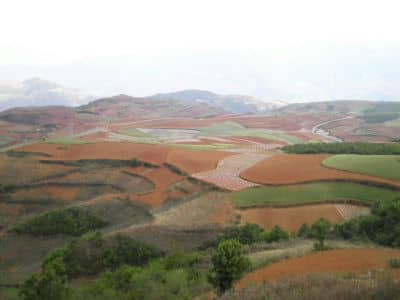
(186,183)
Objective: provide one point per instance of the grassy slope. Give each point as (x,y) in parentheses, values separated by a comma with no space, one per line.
(385,166)
(311,192)
(235,129)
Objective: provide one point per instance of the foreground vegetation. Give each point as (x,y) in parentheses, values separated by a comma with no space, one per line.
(70,221)
(344,148)
(385,166)
(311,192)
(382,226)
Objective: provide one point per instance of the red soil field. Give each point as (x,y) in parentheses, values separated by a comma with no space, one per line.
(162,178)
(301,168)
(336,261)
(195,161)
(155,154)
(290,218)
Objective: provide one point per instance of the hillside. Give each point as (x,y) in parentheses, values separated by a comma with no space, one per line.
(231,103)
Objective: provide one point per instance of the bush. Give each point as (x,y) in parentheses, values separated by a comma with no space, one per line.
(179,276)
(247,234)
(394,263)
(304,231)
(47,285)
(275,235)
(229,264)
(382,226)
(93,254)
(135,163)
(71,221)
(320,230)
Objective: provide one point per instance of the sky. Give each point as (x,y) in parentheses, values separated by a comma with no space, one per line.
(291,50)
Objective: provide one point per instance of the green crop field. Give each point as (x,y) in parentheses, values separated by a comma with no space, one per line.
(64,140)
(385,166)
(235,129)
(393,123)
(311,192)
(135,132)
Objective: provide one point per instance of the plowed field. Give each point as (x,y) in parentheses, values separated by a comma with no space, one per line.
(291,169)
(336,261)
(162,178)
(105,150)
(195,161)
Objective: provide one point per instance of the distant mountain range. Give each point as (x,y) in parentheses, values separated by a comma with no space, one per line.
(39,92)
(186,103)
(231,103)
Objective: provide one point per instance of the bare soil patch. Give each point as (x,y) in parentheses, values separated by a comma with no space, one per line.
(332,261)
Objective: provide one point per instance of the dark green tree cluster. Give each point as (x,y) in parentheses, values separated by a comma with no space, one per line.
(344,148)
(251,233)
(71,221)
(382,226)
(319,230)
(93,254)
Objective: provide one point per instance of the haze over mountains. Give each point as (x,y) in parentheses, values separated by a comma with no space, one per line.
(39,92)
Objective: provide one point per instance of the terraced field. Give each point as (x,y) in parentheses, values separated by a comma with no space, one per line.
(301,168)
(235,129)
(226,175)
(385,166)
(291,218)
(311,193)
(334,261)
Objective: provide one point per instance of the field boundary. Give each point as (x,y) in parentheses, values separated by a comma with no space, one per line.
(308,203)
(363,182)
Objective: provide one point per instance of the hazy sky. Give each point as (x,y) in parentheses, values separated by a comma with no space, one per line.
(54,38)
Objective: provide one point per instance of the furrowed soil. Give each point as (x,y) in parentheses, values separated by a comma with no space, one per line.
(340,261)
(298,168)
(155,154)
(195,161)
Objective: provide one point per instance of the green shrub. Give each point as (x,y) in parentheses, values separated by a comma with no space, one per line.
(394,263)
(247,234)
(304,231)
(71,221)
(180,276)
(320,230)
(92,254)
(135,163)
(382,226)
(229,264)
(275,235)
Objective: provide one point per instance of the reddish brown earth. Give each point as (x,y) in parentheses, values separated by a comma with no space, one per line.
(162,178)
(155,154)
(195,161)
(301,168)
(290,218)
(335,261)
